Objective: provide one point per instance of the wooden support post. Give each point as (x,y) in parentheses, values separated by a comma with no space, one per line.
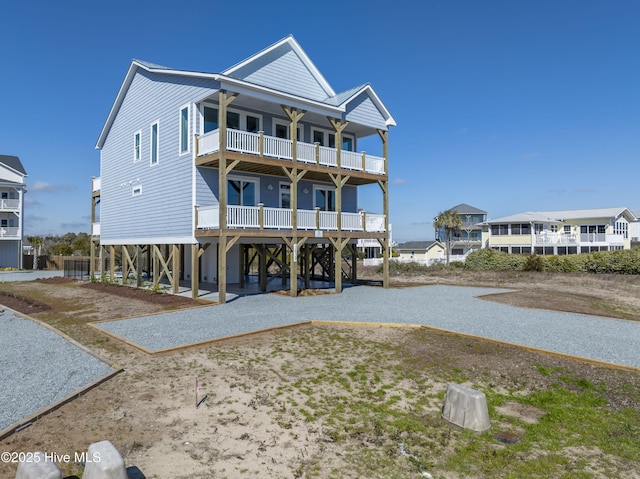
(138,266)
(222,269)
(262,267)
(195,271)
(384,136)
(103,260)
(175,267)
(243,263)
(92,261)
(354,266)
(112,261)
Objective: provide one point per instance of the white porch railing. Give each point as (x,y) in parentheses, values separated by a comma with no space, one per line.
(280,218)
(260,144)
(9,232)
(555,238)
(95,229)
(9,204)
(602,238)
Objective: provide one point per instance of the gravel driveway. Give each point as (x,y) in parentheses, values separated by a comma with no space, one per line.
(447,307)
(38,368)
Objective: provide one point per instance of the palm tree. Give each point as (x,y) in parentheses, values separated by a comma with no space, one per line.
(451,222)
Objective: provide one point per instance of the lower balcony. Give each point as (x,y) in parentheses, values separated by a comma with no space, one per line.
(9,232)
(261,217)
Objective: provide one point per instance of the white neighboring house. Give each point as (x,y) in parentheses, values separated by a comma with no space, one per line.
(560,232)
(12,189)
(634,226)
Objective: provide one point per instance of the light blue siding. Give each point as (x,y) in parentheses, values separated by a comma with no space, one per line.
(363,111)
(283,70)
(207,190)
(164,210)
(9,254)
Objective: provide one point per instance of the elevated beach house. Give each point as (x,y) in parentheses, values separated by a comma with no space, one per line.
(12,190)
(560,232)
(207,177)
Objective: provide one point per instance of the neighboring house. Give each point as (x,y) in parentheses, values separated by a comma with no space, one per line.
(634,227)
(470,236)
(12,190)
(423,252)
(560,232)
(258,164)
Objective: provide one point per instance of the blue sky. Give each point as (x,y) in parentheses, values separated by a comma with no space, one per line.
(508,106)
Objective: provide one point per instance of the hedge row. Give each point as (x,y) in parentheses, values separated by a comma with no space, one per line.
(620,262)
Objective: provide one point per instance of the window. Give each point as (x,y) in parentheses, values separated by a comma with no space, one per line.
(500,230)
(285,195)
(621,228)
(184,130)
(137,138)
(324,198)
(136,190)
(242,192)
(515,229)
(325,138)
(236,120)
(155,143)
(210,121)
(567,229)
(253,124)
(281,130)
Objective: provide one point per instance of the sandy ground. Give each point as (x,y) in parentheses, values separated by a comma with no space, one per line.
(280,404)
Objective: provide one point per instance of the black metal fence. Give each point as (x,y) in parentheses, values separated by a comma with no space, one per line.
(77,268)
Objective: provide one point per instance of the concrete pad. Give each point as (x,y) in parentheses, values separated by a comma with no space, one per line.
(104,462)
(37,466)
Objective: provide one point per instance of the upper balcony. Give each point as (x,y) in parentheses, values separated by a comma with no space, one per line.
(261,152)
(9,204)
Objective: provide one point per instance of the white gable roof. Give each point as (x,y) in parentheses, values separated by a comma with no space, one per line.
(562,215)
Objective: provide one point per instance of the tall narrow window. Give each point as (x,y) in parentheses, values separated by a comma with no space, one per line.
(155,136)
(285,195)
(210,119)
(184,130)
(136,145)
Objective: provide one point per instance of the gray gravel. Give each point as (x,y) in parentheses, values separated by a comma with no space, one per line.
(446,307)
(39,367)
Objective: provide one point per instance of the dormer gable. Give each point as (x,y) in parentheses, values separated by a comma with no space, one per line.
(284,66)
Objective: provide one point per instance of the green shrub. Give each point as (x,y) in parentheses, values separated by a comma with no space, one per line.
(492,260)
(534,262)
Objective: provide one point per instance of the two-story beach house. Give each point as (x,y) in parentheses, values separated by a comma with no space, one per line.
(469,238)
(12,190)
(253,169)
(560,232)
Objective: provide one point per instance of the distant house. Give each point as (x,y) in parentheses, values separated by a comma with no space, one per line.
(470,236)
(560,232)
(12,190)
(214,175)
(424,252)
(634,227)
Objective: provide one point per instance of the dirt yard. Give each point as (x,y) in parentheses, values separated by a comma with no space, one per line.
(338,401)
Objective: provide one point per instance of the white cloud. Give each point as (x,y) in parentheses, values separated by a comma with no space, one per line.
(49,188)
